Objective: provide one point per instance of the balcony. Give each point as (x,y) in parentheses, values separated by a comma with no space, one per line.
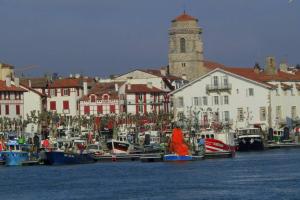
(218,88)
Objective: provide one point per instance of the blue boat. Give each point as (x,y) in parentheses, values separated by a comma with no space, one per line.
(65,158)
(16,153)
(175,157)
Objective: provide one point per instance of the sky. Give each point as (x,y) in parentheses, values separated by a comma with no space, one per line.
(104,37)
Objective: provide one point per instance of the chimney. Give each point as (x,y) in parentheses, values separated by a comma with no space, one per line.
(116,87)
(270,68)
(85,89)
(163,72)
(17,82)
(77,75)
(8,81)
(149,85)
(71,75)
(29,83)
(256,68)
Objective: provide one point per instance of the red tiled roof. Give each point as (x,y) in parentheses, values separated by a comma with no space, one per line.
(184,17)
(12,88)
(261,76)
(100,89)
(69,82)
(212,65)
(136,88)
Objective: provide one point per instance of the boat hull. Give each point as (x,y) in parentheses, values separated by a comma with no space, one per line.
(174,157)
(247,144)
(63,158)
(15,158)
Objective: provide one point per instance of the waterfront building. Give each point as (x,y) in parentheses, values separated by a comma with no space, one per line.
(241,97)
(160,78)
(102,99)
(143,98)
(11,99)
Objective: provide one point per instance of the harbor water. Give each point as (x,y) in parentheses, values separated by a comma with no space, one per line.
(271,174)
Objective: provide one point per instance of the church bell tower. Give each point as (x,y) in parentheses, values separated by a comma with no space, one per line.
(186,48)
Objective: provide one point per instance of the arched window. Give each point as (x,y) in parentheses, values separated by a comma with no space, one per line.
(182,45)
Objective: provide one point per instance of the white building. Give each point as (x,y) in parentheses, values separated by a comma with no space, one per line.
(143,98)
(241,97)
(11,99)
(101,100)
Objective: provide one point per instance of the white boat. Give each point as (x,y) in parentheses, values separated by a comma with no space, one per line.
(119,145)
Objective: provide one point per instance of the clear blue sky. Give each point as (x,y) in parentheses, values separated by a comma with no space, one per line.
(103,37)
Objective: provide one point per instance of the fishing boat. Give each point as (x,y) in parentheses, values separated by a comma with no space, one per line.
(73,153)
(119,145)
(64,158)
(250,139)
(218,143)
(16,154)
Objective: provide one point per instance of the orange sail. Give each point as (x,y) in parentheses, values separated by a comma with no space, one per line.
(177,144)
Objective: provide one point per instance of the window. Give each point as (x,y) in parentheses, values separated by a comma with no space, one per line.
(196,101)
(262,114)
(17,95)
(86,110)
(226,100)
(226,116)
(240,114)
(182,45)
(293,112)
(250,92)
(278,112)
(204,100)
(180,102)
(215,81)
(66,105)
(52,92)
(140,108)
(112,109)
(100,109)
(66,92)
(216,100)
(6,95)
(17,109)
(225,81)
(7,109)
(52,105)
(183,64)
(93,98)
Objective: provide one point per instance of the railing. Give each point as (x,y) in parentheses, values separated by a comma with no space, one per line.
(212,87)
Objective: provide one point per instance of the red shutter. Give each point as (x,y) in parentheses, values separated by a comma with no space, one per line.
(136,103)
(61,92)
(86,110)
(7,109)
(52,105)
(55,92)
(112,108)
(77,91)
(18,109)
(100,109)
(93,98)
(66,105)
(145,103)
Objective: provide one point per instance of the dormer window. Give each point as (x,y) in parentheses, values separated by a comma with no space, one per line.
(105,97)
(93,98)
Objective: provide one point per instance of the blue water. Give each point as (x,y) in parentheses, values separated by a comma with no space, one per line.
(272,174)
